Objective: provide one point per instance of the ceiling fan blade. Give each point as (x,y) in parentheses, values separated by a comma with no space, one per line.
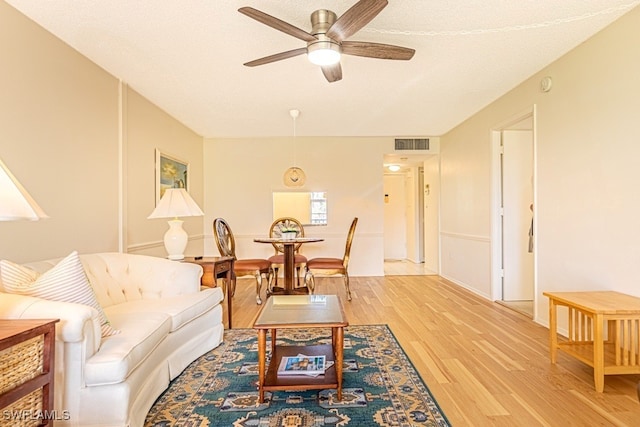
(277,57)
(359,15)
(333,73)
(278,24)
(377,50)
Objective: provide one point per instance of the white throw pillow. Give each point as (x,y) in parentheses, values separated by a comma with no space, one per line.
(66,281)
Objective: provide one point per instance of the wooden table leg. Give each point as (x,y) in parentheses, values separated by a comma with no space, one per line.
(262,359)
(229,281)
(338,347)
(273,342)
(598,354)
(553,330)
(49,364)
(289,262)
(333,341)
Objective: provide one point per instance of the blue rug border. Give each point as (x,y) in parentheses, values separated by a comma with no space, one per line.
(444,415)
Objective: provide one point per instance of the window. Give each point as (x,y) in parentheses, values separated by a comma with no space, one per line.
(308,208)
(318,209)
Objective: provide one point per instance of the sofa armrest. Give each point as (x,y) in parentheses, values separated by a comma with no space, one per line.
(181,278)
(78,322)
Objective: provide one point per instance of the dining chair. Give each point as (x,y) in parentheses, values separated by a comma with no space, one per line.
(331,266)
(277,260)
(241,267)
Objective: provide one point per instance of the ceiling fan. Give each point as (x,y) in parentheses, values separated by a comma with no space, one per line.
(327,39)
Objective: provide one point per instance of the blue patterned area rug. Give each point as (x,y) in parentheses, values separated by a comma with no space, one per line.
(380,387)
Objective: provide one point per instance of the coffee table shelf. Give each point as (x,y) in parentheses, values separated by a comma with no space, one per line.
(273,381)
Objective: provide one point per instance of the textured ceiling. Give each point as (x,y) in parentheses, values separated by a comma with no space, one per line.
(187,56)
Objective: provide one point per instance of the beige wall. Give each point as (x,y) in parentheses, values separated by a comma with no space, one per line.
(587,198)
(243,173)
(60,136)
(149,128)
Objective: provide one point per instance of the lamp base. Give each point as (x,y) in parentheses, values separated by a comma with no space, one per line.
(175,240)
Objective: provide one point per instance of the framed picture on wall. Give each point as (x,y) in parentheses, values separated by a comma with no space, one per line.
(171,172)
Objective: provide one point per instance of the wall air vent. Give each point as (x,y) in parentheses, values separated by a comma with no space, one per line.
(412,144)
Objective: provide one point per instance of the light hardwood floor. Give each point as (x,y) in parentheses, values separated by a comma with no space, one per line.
(485,364)
(403,267)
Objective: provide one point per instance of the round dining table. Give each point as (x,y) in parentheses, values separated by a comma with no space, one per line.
(289,246)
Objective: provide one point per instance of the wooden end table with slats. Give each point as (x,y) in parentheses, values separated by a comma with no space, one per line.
(603,331)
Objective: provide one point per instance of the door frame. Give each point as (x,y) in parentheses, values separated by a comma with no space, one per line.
(496,199)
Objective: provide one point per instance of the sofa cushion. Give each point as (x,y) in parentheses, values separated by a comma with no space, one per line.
(66,281)
(181,309)
(119,355)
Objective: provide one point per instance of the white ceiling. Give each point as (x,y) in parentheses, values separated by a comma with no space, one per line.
(186,56)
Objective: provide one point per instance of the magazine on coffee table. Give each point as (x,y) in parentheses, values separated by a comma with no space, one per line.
(302,365)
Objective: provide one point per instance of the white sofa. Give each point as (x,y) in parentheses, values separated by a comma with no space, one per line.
(165,320)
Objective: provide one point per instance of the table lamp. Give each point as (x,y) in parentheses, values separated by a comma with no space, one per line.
(176,202)
(15,202)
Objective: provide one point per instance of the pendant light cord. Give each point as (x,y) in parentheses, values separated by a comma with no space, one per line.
(294,176)
(294,115)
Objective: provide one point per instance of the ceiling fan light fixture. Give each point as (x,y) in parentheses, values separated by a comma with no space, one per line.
(323,52)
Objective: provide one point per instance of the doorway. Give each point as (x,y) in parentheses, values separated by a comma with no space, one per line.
(411,216)
(513,261)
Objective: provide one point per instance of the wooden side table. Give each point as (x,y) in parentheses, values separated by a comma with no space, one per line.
(217,267)
(603,331)
(27,361)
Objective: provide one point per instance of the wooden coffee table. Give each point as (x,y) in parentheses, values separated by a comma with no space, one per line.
(293,312)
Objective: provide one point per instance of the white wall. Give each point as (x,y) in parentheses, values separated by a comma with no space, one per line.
(241,174)
(465,206)
(587,201)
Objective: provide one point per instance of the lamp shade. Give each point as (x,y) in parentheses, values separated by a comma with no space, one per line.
(176,202)
(15,202)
